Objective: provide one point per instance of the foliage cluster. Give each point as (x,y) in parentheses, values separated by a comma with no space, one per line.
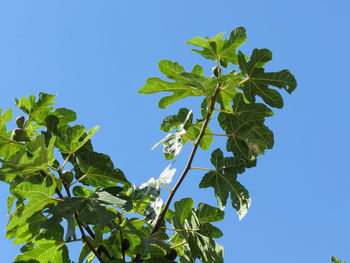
(55,175)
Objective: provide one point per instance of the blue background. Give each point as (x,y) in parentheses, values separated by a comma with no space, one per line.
(96,55)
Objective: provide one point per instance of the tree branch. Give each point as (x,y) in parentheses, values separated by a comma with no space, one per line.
(188,166)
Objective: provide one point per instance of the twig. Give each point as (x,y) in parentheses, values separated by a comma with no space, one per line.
(188,166)
(121,238)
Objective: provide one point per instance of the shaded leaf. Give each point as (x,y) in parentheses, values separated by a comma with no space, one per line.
(247,135)
(207,213)
(224,181)
(258,81)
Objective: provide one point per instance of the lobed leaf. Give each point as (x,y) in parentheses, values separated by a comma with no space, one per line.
(224,181)
(257,81)
(37,110)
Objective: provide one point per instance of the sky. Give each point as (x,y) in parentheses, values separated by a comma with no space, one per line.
(96,55)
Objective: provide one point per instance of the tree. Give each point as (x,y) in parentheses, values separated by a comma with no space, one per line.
(55,175)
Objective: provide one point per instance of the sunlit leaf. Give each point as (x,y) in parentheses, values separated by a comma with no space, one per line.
(38,195)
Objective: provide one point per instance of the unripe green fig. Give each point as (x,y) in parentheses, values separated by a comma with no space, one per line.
(171,255)
(20,121)
(216,71)
(68,176)
(125,245)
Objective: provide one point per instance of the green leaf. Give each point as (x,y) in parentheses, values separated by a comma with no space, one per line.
(27,231)
(82,191)
(73,138)
(257,81)
(183,209)
(7,146)
(216,48)
(207,213)
(46,251)
(180,90)
(38,195)
(247,135)
(174,121)
(200,246)
(98,170)
(193,131)
(37,110)
(211,231)
(94,212)
(65,116)
(170,69)
(224,181)
(37,157)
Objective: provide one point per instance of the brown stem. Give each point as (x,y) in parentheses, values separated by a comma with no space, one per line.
(88,229)
(87,241)
(121,238)
(188,166)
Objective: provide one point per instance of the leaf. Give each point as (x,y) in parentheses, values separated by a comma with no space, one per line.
(183,209)
(98,170)
(174,121)
(37,110)
(193,131)
(172,143)
(257,81)
(65,116)
(207,213)
(211,231)
(37,157)
(38,195)
(216,48)
(224,181)
(7,146)
(95,213)
(180,90)
(247,135)
(200,246)
(27,231)
(151,190)
(106,198)
(170,69)
(46,251)
(73,138)
(82,191)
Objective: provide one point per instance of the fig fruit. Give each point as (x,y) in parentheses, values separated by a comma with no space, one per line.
(125,245)
(171,255)
(20,135)
(68,176)
(20,121)
(216,71)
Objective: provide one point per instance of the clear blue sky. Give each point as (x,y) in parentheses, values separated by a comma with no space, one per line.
(96,55)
